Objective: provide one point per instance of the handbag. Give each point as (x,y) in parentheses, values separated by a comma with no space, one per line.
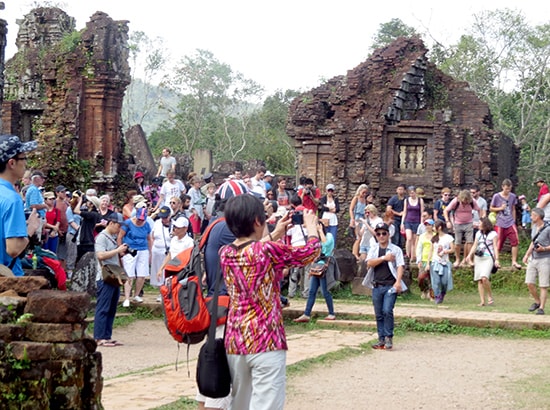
(213,376)
(113,275)
(318,269)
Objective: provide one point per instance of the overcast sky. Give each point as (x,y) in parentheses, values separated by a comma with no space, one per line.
(284,44)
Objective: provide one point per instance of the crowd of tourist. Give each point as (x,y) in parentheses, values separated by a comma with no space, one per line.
(260,240)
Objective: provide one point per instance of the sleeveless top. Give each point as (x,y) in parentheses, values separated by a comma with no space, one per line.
(359,211)
(413,212)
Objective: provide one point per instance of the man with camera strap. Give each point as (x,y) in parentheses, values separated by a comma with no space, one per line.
(537,259)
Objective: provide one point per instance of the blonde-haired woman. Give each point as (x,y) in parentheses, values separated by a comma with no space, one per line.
(356,213)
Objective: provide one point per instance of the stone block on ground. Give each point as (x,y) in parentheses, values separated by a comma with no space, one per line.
(55,332)
(51,306)
(347,264)
(358,289)
(23,284)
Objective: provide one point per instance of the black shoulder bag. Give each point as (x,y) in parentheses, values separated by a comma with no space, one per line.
(213,376)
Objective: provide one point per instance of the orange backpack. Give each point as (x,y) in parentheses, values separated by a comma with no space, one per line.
(185,312)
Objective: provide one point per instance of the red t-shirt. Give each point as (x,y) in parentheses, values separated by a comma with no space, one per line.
(543,190)
(307,202)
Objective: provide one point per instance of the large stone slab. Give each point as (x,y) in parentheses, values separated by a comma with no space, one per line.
(23,284)
(55,332)
(51,306)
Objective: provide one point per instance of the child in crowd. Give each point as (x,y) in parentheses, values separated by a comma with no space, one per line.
(525,212)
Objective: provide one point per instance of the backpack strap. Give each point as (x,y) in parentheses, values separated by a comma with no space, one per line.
(206,233)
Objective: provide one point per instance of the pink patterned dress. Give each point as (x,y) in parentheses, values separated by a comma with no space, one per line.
(253,274)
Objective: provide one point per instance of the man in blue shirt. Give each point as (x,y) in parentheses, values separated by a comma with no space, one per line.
(14,230)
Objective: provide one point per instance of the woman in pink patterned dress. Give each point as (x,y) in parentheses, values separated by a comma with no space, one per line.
(252,266)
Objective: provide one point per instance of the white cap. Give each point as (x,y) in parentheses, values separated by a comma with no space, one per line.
(181,222)
(331,186)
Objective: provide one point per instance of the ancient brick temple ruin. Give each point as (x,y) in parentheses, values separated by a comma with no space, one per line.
(47,361)
(65,89)
(397,119)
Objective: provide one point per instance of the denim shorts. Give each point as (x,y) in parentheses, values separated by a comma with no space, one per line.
(413,226)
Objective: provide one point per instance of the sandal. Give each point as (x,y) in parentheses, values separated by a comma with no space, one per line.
(106,343)
(490,301)
(516,266)
(481,304)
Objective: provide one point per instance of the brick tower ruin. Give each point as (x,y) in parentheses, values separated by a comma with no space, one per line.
(397,119)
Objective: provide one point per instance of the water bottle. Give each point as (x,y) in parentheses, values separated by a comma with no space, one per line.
(34,261)
(392,290)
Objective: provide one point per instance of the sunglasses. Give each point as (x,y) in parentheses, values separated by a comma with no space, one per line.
(173,203)
(383,233)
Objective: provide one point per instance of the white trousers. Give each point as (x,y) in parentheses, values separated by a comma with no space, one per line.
(258,380)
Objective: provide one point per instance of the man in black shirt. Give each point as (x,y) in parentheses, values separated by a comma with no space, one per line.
(386,265)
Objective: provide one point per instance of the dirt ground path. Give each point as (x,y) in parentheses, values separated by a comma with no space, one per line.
(422,372)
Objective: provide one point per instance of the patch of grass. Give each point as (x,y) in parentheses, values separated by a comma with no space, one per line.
(532,390)
(184,403)
(326,359)
(448,328)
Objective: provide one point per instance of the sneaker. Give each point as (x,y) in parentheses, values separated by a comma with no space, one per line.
(389,343)
(539,311)
(534,307)
(302,319)
(159,298)
(330,317)
(380,345)
(126,303)
(138,299)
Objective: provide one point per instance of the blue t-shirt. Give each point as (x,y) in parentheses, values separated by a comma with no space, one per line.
(136,236)
(34,197)
(13,223)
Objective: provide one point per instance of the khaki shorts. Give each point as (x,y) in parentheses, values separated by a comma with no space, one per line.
(465,231)
(538,268)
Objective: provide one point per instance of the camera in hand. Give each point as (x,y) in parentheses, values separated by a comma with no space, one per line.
(537,245)
(479,252)
(132,251)
(307,191)
(298,218)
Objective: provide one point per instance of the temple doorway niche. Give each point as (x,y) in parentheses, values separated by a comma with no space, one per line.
(320,165)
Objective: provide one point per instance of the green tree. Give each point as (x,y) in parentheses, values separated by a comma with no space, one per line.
(269,130)
(215,108)
(505,61)
(148,58)
(390,31)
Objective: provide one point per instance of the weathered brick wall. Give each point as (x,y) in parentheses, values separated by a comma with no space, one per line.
(346,131)
(65,89)
(46,360)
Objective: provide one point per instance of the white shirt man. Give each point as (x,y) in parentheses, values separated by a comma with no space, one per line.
(172,187)
(167,163)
